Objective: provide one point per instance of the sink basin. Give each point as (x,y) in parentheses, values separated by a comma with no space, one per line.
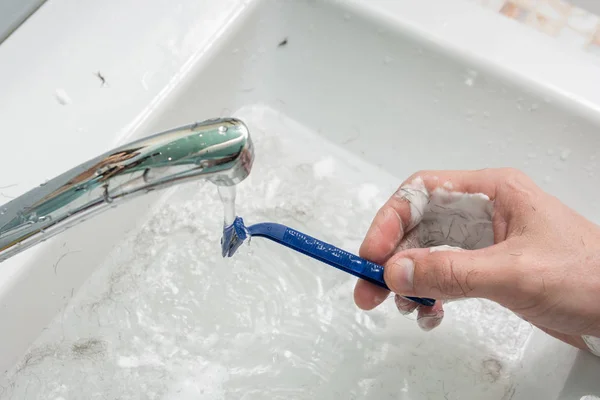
(344,100)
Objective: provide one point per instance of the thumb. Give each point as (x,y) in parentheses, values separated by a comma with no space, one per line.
(450,273)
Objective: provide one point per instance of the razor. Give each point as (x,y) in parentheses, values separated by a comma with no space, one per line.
(236,233)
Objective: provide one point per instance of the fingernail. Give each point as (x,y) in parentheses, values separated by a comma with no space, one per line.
(377,300)
(405,306)
(428,323)
(593,343)
(418,197)
(401,274)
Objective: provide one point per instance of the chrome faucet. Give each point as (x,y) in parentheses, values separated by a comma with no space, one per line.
(219,150)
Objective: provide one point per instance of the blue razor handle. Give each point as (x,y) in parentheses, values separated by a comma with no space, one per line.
(314,248)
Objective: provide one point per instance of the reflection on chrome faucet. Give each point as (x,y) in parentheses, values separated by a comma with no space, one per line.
(219,150)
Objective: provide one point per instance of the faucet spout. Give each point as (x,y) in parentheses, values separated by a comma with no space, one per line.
(219,150)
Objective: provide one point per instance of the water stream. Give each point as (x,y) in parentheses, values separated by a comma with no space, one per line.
(227,196)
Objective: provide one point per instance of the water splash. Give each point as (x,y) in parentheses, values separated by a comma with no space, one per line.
(470,77)
(564,155)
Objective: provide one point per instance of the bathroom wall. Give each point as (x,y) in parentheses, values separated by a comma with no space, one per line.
(13,13)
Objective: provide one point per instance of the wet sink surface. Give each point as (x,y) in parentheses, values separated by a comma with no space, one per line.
(343,105)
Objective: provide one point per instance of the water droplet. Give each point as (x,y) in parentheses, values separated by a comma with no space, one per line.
(62,97)
(387,59)
(470,77)
(547,100)
(3,211)
(435,101)
(519,103)
(222,129)
(486,114)
(534,107)
(470,113)
(547,179)
(550,152)
(565,154)
(347,17)
(287,354)
(170,158)
(532,155)
(235,51)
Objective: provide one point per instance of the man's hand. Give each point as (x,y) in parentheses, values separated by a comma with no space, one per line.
(543,261)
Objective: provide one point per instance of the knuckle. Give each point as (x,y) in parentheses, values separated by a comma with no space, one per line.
(511,171)
(420,173)
(519,190)
(515,179)
(530,290)
(443,276)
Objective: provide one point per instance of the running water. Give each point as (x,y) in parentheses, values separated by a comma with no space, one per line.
(227,195)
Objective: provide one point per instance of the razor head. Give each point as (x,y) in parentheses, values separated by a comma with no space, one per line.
(233,237)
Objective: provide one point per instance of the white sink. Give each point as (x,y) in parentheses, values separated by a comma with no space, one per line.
(344,100)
